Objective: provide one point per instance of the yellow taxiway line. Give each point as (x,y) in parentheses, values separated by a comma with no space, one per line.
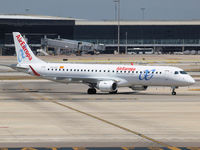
(101,119)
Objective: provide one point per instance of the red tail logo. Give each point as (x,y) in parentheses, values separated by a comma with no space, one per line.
(23,45)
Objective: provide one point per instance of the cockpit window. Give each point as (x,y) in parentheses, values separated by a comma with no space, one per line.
(183,72)
(176,72)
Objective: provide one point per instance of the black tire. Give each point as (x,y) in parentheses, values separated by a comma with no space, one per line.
(114,92)
(173,93)
(92,91)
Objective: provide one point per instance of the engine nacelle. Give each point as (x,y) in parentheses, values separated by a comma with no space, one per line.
(107,86)
(139,87)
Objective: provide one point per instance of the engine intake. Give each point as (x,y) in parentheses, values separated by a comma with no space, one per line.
(107,86)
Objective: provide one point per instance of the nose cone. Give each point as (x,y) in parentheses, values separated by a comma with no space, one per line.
(190,81)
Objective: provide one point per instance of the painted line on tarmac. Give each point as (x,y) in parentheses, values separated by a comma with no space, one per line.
(194,89)
(103,120)
(128,148)
(79,148)
(193,148)
(155,148)
(5,98)
(97,148)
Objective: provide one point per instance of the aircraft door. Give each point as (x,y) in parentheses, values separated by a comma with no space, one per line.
(43,69)
(167,74)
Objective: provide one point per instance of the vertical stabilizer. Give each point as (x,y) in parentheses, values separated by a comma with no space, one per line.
(23,51)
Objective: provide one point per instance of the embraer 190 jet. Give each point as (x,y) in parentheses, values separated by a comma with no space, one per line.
(104,77)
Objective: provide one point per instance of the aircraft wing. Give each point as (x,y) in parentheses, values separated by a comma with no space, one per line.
(86,80)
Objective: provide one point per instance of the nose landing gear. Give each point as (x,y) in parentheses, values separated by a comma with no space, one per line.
(173,90)
(173,93)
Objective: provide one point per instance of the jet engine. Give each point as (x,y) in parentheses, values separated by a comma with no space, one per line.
(139,87)
(107,86)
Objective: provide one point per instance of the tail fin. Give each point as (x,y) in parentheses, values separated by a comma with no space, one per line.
(23,51)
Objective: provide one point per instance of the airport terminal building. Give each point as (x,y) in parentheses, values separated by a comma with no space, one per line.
(34,28)
(162,36)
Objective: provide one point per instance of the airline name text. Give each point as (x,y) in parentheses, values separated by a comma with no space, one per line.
(23,45)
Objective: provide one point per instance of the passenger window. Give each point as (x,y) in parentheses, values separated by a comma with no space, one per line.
(183,72)
(48,68)
(63,69)
(113,71)
(95,70)
(176,72)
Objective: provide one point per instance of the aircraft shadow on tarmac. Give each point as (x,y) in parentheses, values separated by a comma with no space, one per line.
(25,91)
(50,91)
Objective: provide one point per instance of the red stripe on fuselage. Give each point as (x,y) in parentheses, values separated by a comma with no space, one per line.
(35,73)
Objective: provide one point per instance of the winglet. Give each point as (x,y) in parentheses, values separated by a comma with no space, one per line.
(35,73)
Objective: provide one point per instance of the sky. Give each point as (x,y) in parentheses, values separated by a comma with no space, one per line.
(105,9)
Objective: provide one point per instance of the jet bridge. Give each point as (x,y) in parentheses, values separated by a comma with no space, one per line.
(72,46)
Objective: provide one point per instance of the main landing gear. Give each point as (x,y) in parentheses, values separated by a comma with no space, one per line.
(92,91)
(173,90)
(114,92)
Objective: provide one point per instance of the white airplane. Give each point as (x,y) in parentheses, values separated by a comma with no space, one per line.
(104,77)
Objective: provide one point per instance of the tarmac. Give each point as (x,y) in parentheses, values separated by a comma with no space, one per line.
(29,116)
(41,113)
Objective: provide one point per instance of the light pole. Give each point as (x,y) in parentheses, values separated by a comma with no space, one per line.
(117,18)
(118,26)
(126,42)
(115,1)
(142,9)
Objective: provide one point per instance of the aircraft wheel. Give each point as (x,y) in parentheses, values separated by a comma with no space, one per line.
(92,91)
(114,92)
(173,90)
(173,93)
